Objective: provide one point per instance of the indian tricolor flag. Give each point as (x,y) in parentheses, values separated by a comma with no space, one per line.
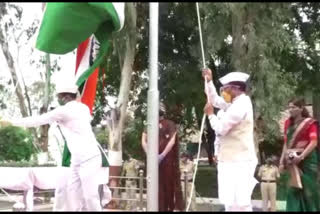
(86,54)
(67,25)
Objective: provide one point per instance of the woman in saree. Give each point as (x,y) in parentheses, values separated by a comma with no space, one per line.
(300,158)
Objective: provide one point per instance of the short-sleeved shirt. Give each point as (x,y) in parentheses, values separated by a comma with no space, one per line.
(269,172)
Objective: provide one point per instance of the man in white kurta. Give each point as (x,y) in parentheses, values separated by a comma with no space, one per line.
(236,155)
(217,141)
(74,119)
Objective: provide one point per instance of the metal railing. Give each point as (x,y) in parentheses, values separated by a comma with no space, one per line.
(143,190)
(140,188)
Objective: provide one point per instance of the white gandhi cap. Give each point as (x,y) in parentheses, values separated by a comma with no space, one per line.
(65,83)
(234,77)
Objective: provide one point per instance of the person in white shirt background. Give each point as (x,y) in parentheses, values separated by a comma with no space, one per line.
(236,153)
(74,119)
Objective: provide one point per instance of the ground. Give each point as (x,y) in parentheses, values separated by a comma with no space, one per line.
(203,204)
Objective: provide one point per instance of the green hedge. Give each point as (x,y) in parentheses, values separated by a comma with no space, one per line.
(24,164)
(207,184)
(15,144)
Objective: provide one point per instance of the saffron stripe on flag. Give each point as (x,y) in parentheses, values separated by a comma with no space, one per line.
(84,53)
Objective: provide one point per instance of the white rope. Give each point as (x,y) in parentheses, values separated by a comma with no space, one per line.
(197,160)
(204,116)
(200,32)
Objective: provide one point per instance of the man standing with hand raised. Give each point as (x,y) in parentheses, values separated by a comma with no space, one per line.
(237,157)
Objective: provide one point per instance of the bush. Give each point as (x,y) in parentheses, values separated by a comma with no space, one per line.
(15,144)
(132,140)
(102,136)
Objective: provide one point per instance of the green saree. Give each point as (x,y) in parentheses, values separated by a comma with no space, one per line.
(307,197)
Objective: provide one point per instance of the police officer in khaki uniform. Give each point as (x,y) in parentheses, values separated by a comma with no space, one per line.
(187,168)
(131,169)
(269,173)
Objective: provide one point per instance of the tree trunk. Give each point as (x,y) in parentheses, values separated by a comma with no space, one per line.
(316,105)
(26,94)
(18,90)
(243,15)
(118,115)
(44,129)
(238,22)
(9,59)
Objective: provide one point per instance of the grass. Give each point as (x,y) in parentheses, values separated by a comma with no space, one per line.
(207,185)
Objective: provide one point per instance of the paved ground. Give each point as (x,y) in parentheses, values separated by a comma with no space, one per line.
(203,204)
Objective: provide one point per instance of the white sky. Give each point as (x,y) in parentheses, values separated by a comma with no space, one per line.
(31,73)
(32,11)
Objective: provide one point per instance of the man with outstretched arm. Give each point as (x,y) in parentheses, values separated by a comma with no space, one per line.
(74,119)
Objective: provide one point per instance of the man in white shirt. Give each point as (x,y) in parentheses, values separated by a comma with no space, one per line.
(74,119)
(236,155)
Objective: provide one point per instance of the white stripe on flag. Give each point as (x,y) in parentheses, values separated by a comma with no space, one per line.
(119,7)
(85,61)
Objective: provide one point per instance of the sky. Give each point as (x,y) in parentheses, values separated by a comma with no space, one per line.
(28,52)
(31,73)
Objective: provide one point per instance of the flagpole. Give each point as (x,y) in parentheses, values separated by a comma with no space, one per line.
(153,112)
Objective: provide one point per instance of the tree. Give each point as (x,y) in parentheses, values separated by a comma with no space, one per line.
(10,59)
(13,31)
(306,20)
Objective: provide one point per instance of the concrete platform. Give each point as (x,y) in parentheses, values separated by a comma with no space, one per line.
(203,204)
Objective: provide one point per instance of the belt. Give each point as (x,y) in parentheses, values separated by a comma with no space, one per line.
(189,180)
(265,181)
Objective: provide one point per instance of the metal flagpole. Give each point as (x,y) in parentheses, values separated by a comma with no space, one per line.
(153,112)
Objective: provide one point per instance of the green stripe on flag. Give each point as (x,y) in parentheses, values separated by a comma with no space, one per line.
(66,25)
(102,53)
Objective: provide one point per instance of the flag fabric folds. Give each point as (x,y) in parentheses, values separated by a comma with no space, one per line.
(65,25)
(86,53)
(88,27)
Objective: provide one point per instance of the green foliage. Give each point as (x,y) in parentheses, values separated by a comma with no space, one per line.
(259,39)
(132,140)
(25,164)
(102,137)
(15,144)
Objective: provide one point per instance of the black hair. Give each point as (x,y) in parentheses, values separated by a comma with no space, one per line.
(299,102)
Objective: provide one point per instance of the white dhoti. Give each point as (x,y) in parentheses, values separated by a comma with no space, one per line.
(82,187)
(61,191)
(236,182)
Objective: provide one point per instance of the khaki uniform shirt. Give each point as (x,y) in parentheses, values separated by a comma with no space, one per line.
(268,172)
(189,167)
(131,167)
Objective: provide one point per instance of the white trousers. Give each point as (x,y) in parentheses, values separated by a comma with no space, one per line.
(80,191)
(235,184)
(60,194)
